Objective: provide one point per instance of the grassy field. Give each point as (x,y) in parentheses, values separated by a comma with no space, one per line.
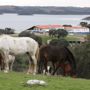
(16,81)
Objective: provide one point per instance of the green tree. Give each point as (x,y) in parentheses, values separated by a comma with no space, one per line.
(83,24)
(61,33)
(9,31)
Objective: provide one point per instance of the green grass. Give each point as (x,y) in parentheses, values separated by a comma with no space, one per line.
(16,81)
(69,37)
(45,38)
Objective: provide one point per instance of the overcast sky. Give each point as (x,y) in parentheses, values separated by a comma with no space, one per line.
(78,3)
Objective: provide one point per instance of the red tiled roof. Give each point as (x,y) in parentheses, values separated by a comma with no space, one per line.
(57,26)
(48,26)
(75,27)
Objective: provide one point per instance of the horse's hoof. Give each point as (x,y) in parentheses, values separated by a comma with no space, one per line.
(27,73)
(5,71)
(48,74)
(34,73)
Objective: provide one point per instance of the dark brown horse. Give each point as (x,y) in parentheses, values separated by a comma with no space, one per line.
(58,56)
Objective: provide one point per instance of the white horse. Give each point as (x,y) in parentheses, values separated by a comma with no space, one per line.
(19,45)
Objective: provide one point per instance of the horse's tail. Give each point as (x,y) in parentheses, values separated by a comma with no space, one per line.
(2,56)
(71,60)
(37,53)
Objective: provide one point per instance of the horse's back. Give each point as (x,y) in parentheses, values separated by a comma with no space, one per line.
(18,45)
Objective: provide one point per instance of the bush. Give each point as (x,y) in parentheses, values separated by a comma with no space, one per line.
(88,37)
(21,63)
(82,55)
(59,42)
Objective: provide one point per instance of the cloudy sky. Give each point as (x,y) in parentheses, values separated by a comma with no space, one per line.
(78,3)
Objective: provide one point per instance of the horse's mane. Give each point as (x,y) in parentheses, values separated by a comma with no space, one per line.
(71,58)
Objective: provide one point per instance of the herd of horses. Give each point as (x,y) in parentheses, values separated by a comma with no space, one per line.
(40,57)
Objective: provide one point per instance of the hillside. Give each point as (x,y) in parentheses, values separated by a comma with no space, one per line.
(87,18)
(16,81)
(29,10)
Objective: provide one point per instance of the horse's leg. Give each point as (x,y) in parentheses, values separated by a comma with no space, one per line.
(40,66)
(30,63)
(0,67)
(35,57)
(6,62)
(35,64)
(53,66)
(55,70)
(46,67)
(6,69)
(64,70)
(1,63)
(56,67)
(11,65)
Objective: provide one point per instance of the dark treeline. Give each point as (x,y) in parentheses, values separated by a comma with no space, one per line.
(7,31)
(29,10)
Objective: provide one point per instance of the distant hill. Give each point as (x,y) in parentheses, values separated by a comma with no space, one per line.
(29,10)
(87,18)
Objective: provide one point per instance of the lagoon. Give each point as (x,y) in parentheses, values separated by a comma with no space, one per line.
(23,22)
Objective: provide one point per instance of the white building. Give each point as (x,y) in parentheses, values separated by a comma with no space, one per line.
(77,30)
(46,28)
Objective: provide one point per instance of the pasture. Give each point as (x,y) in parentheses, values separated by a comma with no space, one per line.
(16,81)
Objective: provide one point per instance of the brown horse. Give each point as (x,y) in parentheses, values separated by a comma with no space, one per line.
(58,56)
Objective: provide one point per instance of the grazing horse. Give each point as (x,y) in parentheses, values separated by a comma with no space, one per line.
(19,45)
(57,55)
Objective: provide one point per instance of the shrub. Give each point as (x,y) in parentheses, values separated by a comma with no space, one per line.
(82,55)
(60,42)
(21,63)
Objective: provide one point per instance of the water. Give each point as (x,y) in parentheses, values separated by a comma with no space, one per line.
(23,22)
